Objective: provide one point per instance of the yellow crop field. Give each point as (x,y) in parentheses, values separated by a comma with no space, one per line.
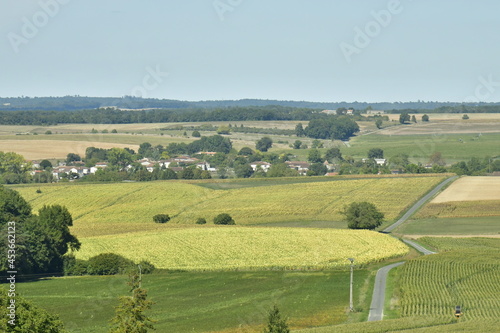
(101,209)
(233,247)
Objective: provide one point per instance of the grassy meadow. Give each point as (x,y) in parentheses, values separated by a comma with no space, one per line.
(226,302)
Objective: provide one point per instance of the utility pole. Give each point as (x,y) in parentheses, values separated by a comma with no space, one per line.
(140,276)
(351,305)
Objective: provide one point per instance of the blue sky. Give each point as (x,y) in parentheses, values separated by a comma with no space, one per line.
(321,50)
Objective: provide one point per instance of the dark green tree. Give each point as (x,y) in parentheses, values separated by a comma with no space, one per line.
(375,153)
(28,317)
(314,156)
(161,218)
(45,164)
(224,219)
(276,324)
(413,119)
(362,215)
(299,130)
(243,170)
(201,220)
(465,117)
(297,144)
(109,264)
(130,316)
(425,117)
(333,154)
(404,118)
(196,134)
(378,123)
(264,144)
(245,151)
(317,169)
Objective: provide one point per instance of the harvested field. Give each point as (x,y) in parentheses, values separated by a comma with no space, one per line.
(49,149)
(471,189)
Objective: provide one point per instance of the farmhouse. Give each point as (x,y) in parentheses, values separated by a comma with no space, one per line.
(301,167)
(260,164)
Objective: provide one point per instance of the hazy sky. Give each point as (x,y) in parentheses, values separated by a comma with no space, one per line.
(315,50)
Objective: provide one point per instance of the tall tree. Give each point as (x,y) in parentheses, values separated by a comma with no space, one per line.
(299,130)
(130,316)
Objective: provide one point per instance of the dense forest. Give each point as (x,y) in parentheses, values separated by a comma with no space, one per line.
(72,103)
(113,116)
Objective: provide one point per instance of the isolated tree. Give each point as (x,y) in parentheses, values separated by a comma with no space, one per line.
(224,219)
(378,123)
(404,118)
(201,220)
(276,324)
(161,218)
(465,117)
(375,153)
(332,154)
(299,130)
(130,316)
(314,156)
(297,144)
(413,119)
(264,144)
(363,215)
(425,117)
(196,134)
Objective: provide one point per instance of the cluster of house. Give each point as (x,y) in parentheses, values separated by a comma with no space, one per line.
(78,169)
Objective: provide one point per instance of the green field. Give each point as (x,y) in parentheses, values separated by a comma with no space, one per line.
(420,147)
(230,248)
(489,225)
(103,209)
(205,302)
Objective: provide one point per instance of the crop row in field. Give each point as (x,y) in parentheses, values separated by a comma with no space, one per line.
(446,244)
(460,209)
(100,209)
(234,248)
(468,276)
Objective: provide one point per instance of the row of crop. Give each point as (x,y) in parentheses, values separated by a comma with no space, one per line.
(435,287)
(229,248)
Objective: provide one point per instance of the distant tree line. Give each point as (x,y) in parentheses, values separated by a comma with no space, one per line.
(113,116)
(69,103)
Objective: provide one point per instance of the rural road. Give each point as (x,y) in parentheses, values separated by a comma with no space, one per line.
(419,204)
(378,298)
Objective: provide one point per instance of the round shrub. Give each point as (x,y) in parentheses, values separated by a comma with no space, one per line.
(201,220)
(161,218)
(109,264)
(224,218)
(146,267)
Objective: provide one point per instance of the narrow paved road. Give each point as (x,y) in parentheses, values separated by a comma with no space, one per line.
(378,299)
(419,204)
(418,247)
